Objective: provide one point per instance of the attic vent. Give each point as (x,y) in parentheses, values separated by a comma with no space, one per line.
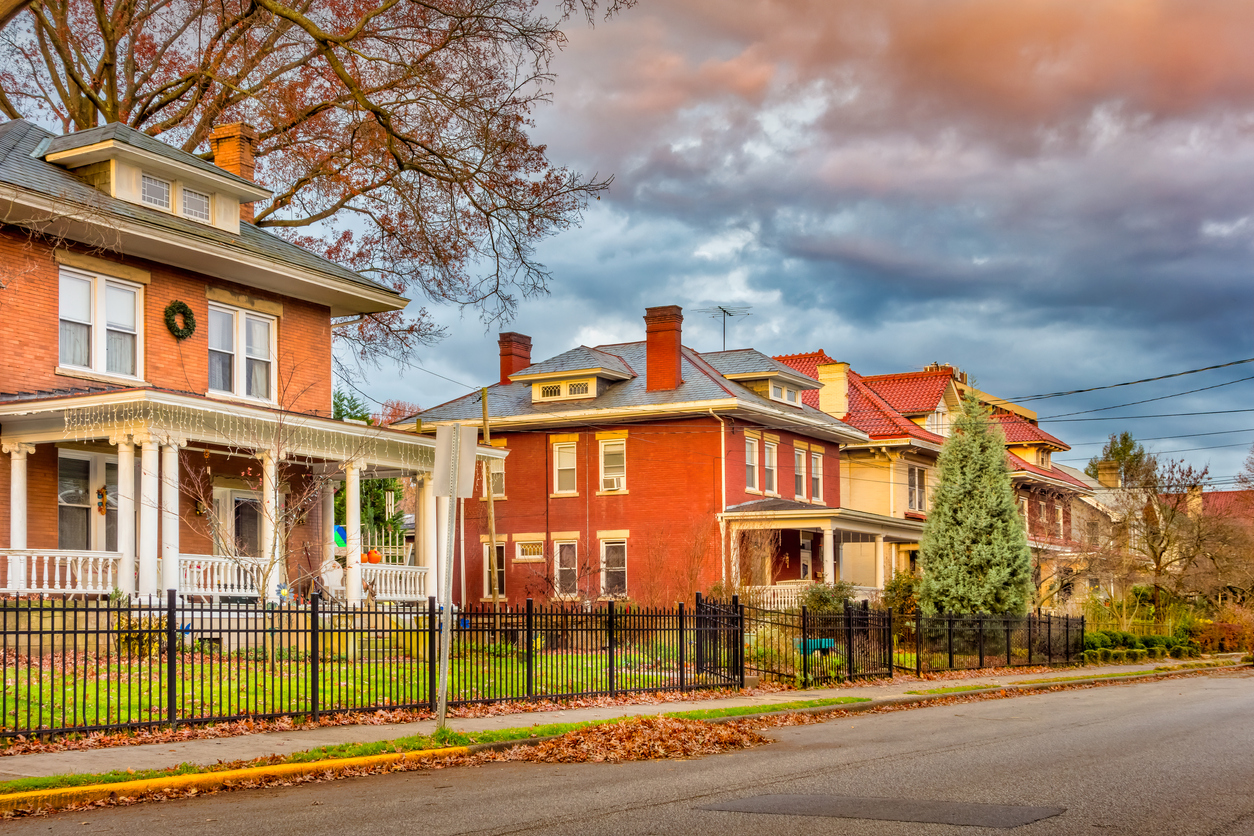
(580,388)
(552,391)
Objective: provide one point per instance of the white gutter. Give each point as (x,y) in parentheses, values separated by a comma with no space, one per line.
(722,464)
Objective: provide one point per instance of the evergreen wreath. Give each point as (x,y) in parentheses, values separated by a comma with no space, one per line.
(172,313)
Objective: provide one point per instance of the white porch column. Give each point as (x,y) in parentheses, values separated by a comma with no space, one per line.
(149,514)
(328,520)
(829,555)
(733,532)
(126,513)
(272,551)
(169,514)
(441,543)
(17,493)
(427,538)
(879,561)
(352,527)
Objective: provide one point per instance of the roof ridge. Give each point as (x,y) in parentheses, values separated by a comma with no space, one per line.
(899,420)
(708,370)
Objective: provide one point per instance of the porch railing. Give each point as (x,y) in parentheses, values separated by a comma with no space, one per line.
(207,574)
(787,595)
(40,570)
(395,583)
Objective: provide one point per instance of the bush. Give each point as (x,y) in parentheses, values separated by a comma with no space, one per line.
(1105,653)
(1155,641)
(1137,654)
(1095,639)
(820,598)
(1117,656)
(1092,657)
(901,594)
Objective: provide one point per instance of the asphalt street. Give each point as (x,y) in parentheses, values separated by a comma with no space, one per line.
(1168,757)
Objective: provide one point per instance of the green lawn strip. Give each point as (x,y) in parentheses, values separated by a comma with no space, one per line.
(1161,669)
(955,689)
(711,713)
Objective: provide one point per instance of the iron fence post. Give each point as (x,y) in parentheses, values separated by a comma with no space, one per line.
(805,647)
(315,654)
(849,667)
(950,639)
(1082,625)
(171,658)
(1030,622)
(530,625)
(432,653)
(1049,639)
(1009,657)
(1066,647)
(738,653)
(888,641)
(613,688)
(699,636)
(681,646)
(918,644)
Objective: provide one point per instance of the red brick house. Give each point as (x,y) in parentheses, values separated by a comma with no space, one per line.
(642,470)
(165,411)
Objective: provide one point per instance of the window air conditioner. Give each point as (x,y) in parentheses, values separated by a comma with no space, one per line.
(612,483)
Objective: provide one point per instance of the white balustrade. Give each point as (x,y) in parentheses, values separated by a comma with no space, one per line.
(207,574)
(395,583)
(787,595)
(56,571)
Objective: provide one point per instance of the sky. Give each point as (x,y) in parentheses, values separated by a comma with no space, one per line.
(1049,194)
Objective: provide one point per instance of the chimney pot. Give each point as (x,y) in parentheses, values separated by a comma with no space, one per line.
(663,331)
(515,354)
(232,147)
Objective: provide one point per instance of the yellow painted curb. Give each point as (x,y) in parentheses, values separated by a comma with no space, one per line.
(65,796)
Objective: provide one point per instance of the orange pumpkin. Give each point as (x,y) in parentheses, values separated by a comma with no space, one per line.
(373,556)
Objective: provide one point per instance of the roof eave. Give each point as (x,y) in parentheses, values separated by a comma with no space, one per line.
(235,186)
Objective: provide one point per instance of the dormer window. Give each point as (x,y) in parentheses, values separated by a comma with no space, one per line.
(155,192)
(563,390)
(1042,458)
(196,205)
(785,393)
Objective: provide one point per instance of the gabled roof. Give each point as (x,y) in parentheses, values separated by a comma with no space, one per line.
(29,174)
(911,392)
(1019,465)
(751,364)
(580,358)
(1020,431)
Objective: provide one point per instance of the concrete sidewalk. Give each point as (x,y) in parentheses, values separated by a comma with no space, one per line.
(246,747)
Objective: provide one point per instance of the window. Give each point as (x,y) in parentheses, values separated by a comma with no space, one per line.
(1091,528)
(74,504)
(580,388)
(938,421)
(496,472)
(769,466)
(751,464)
(241,353)
(614,465)
(784,393)
(563,389)
(613,568)
(500,570)
(88,302)
(1058,520)
(807,556)
(1042,458)
(799,473)
(917,489)
(195,204)
(564,468)
(816,477)
(530,551)
(155,192)
(553,390)
(1023,511)
(566,569)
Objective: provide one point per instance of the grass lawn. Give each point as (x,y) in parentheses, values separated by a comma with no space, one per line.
(955,689)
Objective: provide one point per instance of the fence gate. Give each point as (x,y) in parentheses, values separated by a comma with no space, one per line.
(717,628)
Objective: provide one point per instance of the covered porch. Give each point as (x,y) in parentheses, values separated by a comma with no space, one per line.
(780,547)
(133,492)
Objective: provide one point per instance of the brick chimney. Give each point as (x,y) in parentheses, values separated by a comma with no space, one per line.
(232,147)
(663,330)
(1108,474)
(834,396)
(515,354)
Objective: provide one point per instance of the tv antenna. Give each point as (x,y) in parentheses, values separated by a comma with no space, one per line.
(723,312)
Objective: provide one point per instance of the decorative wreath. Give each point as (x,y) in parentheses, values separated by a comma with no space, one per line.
(172,313)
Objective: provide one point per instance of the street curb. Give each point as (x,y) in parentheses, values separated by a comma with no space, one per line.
(64,796)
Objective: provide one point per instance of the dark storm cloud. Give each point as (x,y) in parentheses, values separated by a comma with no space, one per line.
(1049,194)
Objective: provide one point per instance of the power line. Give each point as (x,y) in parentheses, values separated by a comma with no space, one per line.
(1162,437)
(1160,415)
(1128,383)
(1147,400)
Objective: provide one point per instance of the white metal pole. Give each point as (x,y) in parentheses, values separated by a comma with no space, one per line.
(446,578)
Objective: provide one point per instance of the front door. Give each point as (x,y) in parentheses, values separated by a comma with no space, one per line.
(87,501)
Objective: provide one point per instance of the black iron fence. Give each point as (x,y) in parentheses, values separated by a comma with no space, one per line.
(814,648)
(925,644)
(85,666)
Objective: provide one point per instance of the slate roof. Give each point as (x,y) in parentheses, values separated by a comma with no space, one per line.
(700,382)
(124,133)
(580,357)
(911,392)
(775,505)
(63,392)
(1018,430)
(750,361)
(19,139)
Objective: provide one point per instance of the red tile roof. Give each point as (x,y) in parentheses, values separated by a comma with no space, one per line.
(912,392)
(1018,465)
(1228,502)
(1019,430)
(808,364)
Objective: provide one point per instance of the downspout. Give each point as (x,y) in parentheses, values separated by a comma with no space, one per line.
(722,466)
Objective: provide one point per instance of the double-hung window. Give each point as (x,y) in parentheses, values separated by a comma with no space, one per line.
(770,466)
(917,489)
(100,324)
(799,473)
(564,468)
(566,568)
(613,568)
(496,473)
(751,464)
(499,553)
(614,465)
(242,353)
(816,476)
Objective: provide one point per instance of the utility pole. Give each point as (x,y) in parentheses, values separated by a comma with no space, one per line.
(491,491)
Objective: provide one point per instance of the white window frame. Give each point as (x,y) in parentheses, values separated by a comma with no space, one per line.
(799,479)
(816,477)
(916,490)
(557,569)
(938,421)
(97,528)
(807,558)
(1059,520)
(99,324)
(529,558)
(605,593)
(784,394)
(487,562)
(224,505)
(496,474)
(770,468)
(574,468)
(168,205)
(564,392)
(622,480)
(752,481)
(239,369)
(208,196)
